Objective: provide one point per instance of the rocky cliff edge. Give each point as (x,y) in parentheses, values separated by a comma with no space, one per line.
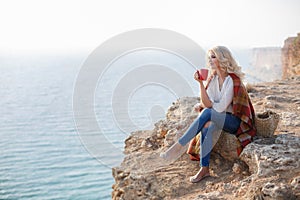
(268,168)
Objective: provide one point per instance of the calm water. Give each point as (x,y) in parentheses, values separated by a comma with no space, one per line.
(42,156)
(41,153)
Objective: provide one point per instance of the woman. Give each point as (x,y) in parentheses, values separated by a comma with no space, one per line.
(226,106)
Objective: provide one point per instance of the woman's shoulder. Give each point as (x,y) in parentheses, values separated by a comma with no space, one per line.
(228,81)
(229,78)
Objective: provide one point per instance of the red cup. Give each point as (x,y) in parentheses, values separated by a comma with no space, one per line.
(202,74)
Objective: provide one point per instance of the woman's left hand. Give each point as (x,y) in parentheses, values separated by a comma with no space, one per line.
(198,107)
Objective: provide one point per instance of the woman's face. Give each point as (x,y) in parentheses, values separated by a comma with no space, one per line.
(213,61)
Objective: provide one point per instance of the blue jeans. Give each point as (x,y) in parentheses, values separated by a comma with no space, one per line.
(225,121)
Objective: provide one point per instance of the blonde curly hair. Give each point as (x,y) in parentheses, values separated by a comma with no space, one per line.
(226,60)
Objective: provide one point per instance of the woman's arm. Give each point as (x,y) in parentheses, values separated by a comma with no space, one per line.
(204,96)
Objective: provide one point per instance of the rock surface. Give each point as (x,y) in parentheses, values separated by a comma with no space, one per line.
(268,168)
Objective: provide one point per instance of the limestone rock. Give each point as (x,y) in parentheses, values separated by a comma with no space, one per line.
(277,98)
(277,191)
(270,104)
(268,168)
(290,119)
(226,145)
(296,185)
(236,168)
(265,160)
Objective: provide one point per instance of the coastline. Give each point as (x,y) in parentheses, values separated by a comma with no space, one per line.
(257,173)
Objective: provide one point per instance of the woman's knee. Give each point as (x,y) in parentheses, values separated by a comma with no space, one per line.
(206,112)
(207,124)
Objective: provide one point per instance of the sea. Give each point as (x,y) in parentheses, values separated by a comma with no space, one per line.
(44,151)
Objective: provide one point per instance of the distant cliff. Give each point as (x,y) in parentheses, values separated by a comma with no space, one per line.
(265,64)
(266,57)
(291,57)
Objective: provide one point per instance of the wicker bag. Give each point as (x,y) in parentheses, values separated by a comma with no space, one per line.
(266,123)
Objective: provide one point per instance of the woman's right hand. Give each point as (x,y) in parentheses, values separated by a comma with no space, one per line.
(196,77)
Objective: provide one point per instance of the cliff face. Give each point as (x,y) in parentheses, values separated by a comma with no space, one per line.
(266,57)
(265,64)
(268,168)
(291,57)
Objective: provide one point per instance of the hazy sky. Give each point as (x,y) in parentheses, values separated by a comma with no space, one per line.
(63,25)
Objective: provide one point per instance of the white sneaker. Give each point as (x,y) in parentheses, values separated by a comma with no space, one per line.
(174,152)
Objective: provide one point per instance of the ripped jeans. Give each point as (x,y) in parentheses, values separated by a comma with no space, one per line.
(225,121)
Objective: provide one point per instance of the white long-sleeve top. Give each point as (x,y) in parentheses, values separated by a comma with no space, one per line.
(221,99)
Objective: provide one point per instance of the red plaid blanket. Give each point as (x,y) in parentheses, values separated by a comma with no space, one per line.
(242,108)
